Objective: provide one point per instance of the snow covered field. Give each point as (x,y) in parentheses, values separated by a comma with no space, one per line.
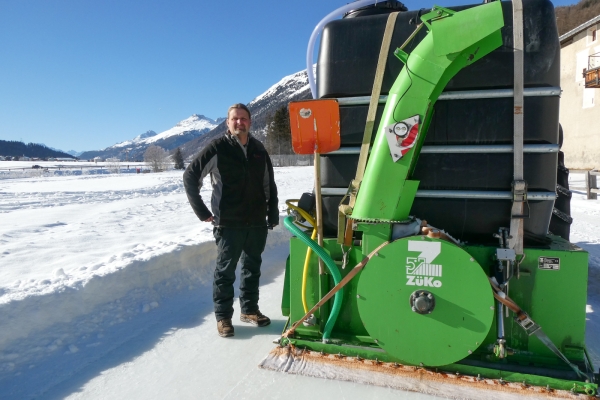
(105,292)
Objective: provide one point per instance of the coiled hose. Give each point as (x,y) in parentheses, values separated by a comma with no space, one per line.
(288,222)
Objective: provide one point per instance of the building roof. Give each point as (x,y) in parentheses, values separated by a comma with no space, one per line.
(580,28)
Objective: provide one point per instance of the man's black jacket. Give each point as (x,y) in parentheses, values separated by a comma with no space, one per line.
(244,191)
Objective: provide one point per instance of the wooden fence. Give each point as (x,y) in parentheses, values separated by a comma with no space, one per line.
(591,183)
(291,160)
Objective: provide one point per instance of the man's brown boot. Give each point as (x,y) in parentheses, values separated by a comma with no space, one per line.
(225,327)
(257,319)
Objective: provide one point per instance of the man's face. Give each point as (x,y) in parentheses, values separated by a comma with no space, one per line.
(238,122)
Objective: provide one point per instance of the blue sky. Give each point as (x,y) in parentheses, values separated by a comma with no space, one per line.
(84,75)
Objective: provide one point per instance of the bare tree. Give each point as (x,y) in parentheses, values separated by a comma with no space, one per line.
(113,165)
(156,158)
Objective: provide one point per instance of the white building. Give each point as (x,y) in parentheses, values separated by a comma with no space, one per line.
(580,56)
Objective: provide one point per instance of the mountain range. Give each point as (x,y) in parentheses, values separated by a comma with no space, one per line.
(133,150)
(193,133)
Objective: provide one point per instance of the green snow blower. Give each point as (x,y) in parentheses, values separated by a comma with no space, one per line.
(434,262)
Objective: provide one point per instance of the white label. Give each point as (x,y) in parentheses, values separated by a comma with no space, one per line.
(549,263)
(305,112)
(420,270)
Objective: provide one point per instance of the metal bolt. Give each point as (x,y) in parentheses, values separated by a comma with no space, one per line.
(358,296)
(376,341)
(479,377)
(421,364)
(457,373)
(472,259)
(376,254)
(357,358)
(396,365)
(470,352)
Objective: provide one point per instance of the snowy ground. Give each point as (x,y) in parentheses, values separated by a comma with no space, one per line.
(105,292)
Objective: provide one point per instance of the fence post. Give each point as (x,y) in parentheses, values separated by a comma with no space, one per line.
(591,183)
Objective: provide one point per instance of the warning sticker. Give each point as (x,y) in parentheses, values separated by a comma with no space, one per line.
(550,263)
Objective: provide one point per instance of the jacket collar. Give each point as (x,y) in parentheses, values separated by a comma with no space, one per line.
(234,138)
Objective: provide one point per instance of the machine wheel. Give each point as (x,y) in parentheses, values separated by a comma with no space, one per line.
(425,301)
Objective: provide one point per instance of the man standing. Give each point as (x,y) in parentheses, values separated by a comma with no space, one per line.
(244,204)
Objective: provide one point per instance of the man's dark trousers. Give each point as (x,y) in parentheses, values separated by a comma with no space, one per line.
(233,244)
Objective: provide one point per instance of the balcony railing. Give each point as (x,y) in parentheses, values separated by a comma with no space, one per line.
(592,73)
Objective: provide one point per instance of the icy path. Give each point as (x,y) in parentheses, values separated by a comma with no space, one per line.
(177,354)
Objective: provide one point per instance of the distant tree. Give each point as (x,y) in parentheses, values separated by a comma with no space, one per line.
(279,134)
(156,158)
(178,159)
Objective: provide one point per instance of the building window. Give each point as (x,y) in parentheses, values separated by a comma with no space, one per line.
(592,34)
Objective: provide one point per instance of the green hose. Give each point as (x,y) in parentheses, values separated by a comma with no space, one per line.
(335,273)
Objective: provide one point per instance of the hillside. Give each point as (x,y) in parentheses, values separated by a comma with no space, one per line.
(569,17)
(33,150)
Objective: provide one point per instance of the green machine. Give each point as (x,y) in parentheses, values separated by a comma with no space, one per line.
(393,292)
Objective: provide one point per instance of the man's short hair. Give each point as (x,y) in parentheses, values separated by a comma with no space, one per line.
(240,106)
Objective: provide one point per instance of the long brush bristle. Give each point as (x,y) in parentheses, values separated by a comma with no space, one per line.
(301,362)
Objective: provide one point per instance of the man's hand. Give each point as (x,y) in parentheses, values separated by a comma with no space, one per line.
(209,219)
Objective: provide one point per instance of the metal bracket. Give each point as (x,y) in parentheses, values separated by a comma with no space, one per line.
(528,325)
(519,189)
(436,12)
(519,192)
(506,255)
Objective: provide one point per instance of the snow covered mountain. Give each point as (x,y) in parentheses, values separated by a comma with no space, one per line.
(290,88)
(134,149)
(74,153)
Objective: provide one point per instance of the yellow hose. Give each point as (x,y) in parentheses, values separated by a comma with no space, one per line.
(305,272)
(311,220)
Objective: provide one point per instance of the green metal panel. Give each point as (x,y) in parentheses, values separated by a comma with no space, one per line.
(554,298)
(285,298)
(460,318)
(348,322)
(374,235)
(481,24)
